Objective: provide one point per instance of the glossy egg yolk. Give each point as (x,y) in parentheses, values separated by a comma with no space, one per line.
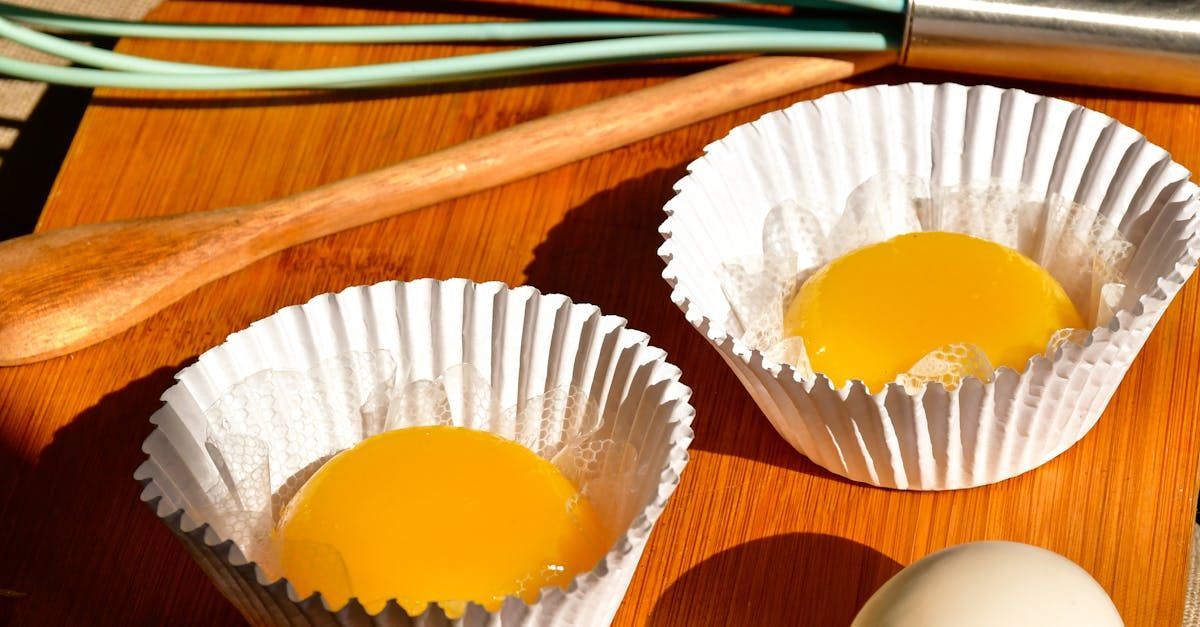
(436,514)
(874,312)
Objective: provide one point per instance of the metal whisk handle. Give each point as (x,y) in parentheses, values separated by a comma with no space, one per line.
(1145,45)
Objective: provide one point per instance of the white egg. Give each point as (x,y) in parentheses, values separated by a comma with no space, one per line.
(991,584)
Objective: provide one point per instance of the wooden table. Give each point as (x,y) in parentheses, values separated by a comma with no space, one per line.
(756,534)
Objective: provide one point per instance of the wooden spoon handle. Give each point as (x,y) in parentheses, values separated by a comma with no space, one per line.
(65,289)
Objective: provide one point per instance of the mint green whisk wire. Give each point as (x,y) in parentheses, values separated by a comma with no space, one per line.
(617,40)
(97,57)
(450,32)
(504,63)
(397,33)
(100,58)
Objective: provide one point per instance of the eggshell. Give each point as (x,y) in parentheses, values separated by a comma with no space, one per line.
(991,584)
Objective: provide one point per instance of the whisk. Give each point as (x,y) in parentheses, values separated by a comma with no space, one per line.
(1153,46)
(853,25)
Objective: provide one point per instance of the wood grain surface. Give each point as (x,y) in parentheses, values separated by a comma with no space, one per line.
(756,534)
(67,288)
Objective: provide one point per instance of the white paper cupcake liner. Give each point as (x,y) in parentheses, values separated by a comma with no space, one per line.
(359,346)
(949,136)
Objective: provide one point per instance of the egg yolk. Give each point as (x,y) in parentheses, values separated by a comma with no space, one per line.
(436,514)
(874,312)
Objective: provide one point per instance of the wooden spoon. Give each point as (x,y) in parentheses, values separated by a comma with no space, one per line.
(69,288)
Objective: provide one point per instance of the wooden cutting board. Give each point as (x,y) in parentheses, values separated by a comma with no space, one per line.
(756,534)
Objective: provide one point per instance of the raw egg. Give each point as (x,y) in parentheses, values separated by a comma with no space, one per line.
(873,313)
(436,514)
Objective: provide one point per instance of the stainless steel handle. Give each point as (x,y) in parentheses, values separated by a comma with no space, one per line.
(1151,45)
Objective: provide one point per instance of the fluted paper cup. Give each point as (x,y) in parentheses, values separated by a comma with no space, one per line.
(254,417)
(987,145)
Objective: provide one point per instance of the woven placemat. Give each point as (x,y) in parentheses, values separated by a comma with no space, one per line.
(1191,605)
(18,98)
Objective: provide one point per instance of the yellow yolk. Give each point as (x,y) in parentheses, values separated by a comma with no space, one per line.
(436,514)
(874,312)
